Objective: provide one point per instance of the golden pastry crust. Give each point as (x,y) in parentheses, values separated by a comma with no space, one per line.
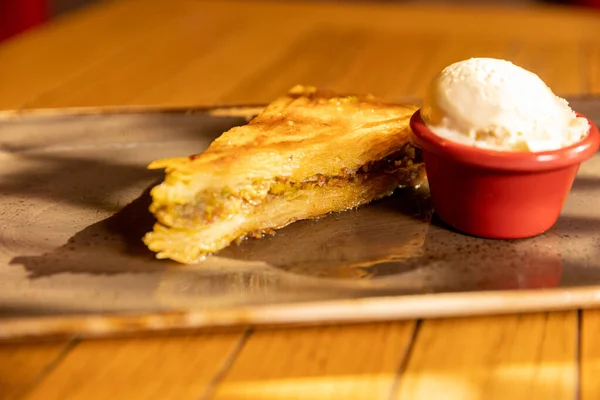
(307,154)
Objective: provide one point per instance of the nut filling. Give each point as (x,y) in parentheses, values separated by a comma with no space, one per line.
(212,206)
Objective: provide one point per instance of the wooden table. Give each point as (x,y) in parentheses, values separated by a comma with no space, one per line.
(184,52)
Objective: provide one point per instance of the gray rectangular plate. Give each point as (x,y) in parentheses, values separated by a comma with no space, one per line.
(74,207)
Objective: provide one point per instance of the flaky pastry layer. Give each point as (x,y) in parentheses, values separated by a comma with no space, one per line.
(307,154)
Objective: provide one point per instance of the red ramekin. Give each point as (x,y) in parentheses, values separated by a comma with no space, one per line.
(499,194)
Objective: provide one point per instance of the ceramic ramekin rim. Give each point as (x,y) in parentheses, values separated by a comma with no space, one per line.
(505,160)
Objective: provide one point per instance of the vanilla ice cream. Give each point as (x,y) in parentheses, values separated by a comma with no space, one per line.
(494,104)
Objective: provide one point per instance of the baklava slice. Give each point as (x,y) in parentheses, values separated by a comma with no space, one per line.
(307,154)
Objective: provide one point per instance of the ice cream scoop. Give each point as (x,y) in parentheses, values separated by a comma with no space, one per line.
(501,151)
(497,105)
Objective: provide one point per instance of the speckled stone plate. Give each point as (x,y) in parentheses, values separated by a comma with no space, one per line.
(74,204)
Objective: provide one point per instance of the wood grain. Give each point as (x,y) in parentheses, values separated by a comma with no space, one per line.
(50,57)
(508,357)
(344,362)
(142,64)
(590,355)
(452,48)
(22,364)
(562,65)
(173,367)
(205,52)
(593,67)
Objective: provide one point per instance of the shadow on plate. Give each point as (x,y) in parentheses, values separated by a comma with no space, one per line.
(390,242)
(373,240)
(93,162)
(83,159)
(71,179)
(111,246)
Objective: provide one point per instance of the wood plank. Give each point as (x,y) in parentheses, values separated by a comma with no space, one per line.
(593,67)
(318,66)
(167,367)
(344,362)
(590,355)
(506,357)
(347,55)
(561,65)
(49,57)
(475,20)
(183,38)
(22,364)
(449,49)
(218,76)
(185,53)
(363,63)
